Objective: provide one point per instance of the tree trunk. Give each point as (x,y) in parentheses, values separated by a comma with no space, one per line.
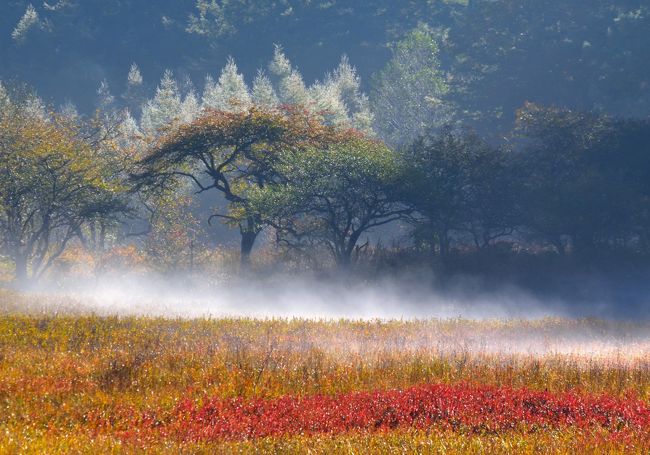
(344,259)
(247,242)
(20,276)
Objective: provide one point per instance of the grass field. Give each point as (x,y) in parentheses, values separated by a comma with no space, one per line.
(91,384)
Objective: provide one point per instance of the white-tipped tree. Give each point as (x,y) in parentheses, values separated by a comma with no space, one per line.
(129,137)
(291,87)
(263,94)
(190,108)
(105,99)
(134,78)
(164,110)
(134,94)
(230,93)
(348,86)
(327,103)
(34,106)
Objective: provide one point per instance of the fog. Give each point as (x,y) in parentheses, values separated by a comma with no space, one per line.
(415,296)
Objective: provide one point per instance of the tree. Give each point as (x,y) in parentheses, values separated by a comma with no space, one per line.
(457,183)
(503,53)
(585,176)
(333,196)
(408,94)
(339,99)
(164,110)
(134,94)
(357,105)
(174,239)
(29,20)
(232,152)
(291,87)
(230,93)
(263,94)
(51,184)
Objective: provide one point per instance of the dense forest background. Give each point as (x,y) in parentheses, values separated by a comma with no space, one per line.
(495,54)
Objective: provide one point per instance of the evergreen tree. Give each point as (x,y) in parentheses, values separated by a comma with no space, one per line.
(134,94)
(26,22)
(291,87)
(327,103)
(129,134)
(263,94)
(348,85)
(408,95)
(230,93)
(164,109)
(105,99)
(190,108)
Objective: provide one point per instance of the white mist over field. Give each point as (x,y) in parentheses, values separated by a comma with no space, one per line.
(286,296)
(464,318)
(298,298)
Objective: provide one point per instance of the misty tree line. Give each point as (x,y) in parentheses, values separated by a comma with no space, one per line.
(319,166)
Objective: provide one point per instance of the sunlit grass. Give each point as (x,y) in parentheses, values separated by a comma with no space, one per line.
(76,380)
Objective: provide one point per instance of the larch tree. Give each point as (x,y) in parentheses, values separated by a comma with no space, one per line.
(291,87)
(263,94)
(230,93)
(134,94)
(164,110)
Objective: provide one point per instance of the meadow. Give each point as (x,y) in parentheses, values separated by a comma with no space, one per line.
(76,382)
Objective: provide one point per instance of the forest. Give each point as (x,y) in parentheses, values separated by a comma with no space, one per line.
(461,150)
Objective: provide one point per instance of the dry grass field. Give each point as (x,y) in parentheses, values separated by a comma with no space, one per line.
(74,382)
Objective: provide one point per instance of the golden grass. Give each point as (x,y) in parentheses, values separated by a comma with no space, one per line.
(59,372)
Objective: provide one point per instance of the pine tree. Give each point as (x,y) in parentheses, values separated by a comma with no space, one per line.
(105,99)
(164,109)
(134,78)
(134,94)
(190,108)
(291,87)
(357,106)
(210,94)
(129,134)
(280,66)
(263,93)
(327,103)
(230,93)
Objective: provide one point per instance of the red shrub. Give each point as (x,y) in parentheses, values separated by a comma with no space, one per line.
(478,409)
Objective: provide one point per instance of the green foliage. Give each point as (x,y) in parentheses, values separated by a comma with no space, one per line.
(52,184)
(585,177)
(236,151)
(408,95)
(332,196)
(458,185)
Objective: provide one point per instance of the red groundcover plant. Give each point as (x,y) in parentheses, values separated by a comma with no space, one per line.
(476,409)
